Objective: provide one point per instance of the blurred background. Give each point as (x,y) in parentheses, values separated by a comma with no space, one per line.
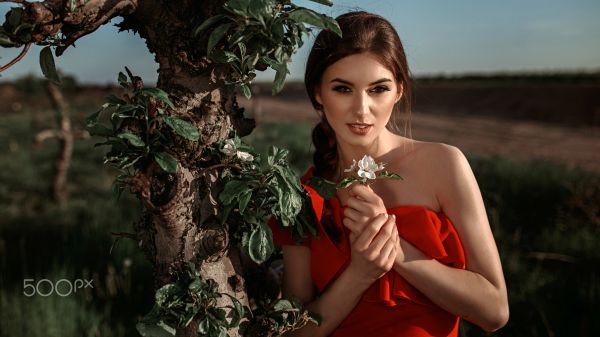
(515,85)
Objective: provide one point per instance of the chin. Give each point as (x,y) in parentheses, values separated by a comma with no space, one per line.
(360,141)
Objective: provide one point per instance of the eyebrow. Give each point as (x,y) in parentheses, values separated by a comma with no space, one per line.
(350,83)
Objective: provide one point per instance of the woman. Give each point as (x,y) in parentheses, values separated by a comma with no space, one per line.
(399,257)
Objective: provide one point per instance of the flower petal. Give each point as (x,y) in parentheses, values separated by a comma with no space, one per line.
(245,156)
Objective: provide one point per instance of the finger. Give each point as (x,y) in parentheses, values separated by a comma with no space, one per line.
(384,235)
(359,205)
(355,214)
(388,251)
(352,237)
(365,193)
(364,239)
(351,225)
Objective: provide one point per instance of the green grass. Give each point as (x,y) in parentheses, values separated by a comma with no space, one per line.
(535,208)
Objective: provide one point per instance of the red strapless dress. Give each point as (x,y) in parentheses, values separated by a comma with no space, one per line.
(391,307)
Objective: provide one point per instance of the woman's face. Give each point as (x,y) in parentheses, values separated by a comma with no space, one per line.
(358,94)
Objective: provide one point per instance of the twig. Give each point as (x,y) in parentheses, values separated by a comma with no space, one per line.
(119,8)
(120,236)
(18,58)
(552,256)
(237,167)
(125,235)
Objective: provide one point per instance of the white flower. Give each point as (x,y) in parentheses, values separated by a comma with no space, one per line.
(352,167)
(245,156)
(229,147)
(367,167)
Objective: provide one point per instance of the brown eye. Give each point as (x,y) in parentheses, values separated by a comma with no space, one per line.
(341,88)
(381,89)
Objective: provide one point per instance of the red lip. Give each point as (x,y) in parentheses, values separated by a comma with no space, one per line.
(360,131)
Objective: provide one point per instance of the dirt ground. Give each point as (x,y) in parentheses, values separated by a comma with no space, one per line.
(482,135)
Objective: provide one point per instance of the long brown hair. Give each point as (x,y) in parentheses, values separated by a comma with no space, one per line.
(361,32)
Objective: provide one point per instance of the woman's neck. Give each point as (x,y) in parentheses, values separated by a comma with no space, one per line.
(346,153)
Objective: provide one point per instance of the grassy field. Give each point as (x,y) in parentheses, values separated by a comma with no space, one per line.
(545,217)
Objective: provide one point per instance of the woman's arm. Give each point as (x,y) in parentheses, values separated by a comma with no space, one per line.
(478,294)
(373,254)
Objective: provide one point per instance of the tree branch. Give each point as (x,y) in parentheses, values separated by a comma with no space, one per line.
(119,7)
(18,58)
(53,16)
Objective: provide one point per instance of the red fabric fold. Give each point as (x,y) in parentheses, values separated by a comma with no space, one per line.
(434,235)
(429,231)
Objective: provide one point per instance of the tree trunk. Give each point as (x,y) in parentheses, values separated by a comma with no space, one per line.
(179,223)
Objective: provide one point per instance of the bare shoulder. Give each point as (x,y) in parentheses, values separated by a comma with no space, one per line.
(436,157)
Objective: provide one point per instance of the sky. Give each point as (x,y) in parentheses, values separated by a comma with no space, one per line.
(439,37)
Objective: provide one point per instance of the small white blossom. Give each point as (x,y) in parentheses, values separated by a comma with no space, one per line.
(352,167)
(229,147)
(245,156)
(367,167)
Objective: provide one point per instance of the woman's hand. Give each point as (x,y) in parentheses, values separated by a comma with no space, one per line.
(362,207)
(375,248)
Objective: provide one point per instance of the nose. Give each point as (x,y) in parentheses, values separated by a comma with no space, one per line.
(361,103)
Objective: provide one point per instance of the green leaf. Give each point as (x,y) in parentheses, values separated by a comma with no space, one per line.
(388,175)
(204,326)
(48,66)
(183,128)
(195,285)
(277,155)
(159,95)
(232,190)
(347,182)
(92,119)
(123,80)
(216,36)
(244,199)
(260,245)
(166,293)
(246,90)
(100,130)
(208,22)
(166,161)
(127,108)
(315,19)
(252,60)
(277,30)
(159,329)
(271,62)
(324,187)
(117,189)
(239,6)
(282,305)
(112,99)
(133,139)
(5,41)
(324,2)
(259,9)
(14,16)
(278,82)
(237,312)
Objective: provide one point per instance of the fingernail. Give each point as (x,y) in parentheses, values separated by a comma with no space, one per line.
(394,217)
(386,215)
